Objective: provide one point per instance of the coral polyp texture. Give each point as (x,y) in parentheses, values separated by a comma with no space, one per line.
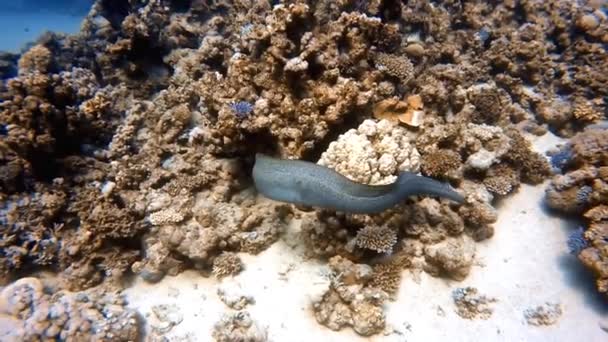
(374,153)
(127,148)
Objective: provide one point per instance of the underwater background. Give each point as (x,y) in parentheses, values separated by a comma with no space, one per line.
(255,170)
(22,21)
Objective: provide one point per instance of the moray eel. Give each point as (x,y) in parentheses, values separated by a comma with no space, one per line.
(305,183)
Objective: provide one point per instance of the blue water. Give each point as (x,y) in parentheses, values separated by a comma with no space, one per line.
(22,21)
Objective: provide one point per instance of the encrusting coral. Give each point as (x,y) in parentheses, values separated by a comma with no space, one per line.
(379,239)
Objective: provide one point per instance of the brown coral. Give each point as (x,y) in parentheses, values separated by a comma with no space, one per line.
(349,303)
(488,108)
(585,112)
(546,314)
(28,313)
(398,66)
(501,180)
(534,167)
(582,190)
(387,276)
(452,257)
(239,326)
(441,163)
(380,239)
(227,264)
(37,59)
(590,148)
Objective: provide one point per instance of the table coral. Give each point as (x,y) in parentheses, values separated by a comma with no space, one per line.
(379,239)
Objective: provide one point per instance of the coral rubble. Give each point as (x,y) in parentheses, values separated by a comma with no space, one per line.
(239,326)
(546,314)
(472,305)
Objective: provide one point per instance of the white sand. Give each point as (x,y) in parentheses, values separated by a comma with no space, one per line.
(524,265)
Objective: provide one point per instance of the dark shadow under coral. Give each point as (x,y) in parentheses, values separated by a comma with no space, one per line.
(577,277)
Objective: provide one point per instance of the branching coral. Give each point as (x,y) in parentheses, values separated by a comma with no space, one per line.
(212,228)
(379,239)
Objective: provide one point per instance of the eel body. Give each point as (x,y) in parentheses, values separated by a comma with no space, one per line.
(305,183)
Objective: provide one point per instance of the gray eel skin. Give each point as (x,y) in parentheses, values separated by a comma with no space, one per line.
(305,183)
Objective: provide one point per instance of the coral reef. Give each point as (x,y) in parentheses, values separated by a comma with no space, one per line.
(163,319)
(29,313)
(582,190)
(409,112)
(127,147)
(206,239)
(502,156)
